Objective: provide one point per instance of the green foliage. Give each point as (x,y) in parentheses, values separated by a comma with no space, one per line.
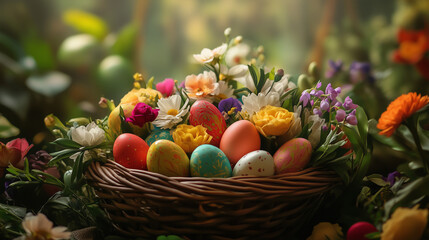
(86,23)
(10,221)
(7,130)
(125,41)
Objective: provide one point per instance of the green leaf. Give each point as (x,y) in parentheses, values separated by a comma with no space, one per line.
(7,130)
(253,74)
(362,124)
(86,23)
(261,81)
(40,50)
(150,84)
(49,84)
(125,42)
(77,168)
(68,143)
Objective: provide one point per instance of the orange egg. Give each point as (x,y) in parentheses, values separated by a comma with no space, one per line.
(239,139)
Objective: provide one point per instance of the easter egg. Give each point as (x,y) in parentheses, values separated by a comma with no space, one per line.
(130,151)
(209,161)
(256,163)
(206,114)
(239,139)
(158,134)
(292,156)
(167,158)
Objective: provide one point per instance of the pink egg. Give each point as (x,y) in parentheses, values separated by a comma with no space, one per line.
(239,139)
(292,156)
(206,114)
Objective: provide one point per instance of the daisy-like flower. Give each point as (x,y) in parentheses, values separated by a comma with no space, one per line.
(223,90)
(39,227)
(208,55)
(237,54)
(170,113)
(91,135)
(400,110)
(279,87)
(201,86)
(253,103)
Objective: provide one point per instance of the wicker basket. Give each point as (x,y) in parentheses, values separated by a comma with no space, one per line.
(146,204)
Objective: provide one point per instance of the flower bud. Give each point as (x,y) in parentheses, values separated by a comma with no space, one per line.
(49,121)
(341,114)
(314,71)
(303,82)
(238,39)
(227,32)
(260,49)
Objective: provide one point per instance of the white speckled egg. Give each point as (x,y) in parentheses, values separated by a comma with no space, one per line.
(256,163)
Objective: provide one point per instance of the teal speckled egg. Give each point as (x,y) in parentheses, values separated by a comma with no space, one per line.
(158,134)
(209,161)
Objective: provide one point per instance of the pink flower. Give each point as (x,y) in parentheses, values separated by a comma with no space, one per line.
(166,87)
(358,231)
(142,113)
(14,152)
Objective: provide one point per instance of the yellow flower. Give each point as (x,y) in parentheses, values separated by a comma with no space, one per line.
(189,137)
(144,95)
(272,121)
(405,223)
(326,230)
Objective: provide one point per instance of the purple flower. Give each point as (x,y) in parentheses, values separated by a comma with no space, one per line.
(348,104)
(225,105)
(317,111)
(341,114)
(305,97)
(351,119)
(142,113)
(324,105)
(391,177)
(182,84)
(319,84)
(334,68)
(332,92)
(360,71)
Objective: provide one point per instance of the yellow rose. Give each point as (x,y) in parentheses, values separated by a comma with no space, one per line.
(144,95)
(272,121)
(405,223)
(326,230)
(189,137)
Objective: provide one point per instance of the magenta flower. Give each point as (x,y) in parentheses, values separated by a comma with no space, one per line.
(166,87)
(14,152)
(142,113)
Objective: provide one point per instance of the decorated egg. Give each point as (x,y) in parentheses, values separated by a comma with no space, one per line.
(130,151)
(167,158)
(239,139)
(292,156)
(206,114)
(209,161)
(158,134)
(256,163)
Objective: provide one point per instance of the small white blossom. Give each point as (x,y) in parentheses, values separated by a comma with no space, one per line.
(223,90)
(237,54)
(91,135)
(207,55)
(316,127)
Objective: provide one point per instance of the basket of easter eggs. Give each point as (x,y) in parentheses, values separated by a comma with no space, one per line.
(230,174)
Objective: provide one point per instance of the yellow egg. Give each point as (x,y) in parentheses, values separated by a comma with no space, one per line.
(167,158)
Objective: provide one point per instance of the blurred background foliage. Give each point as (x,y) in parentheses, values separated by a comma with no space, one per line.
(61,56)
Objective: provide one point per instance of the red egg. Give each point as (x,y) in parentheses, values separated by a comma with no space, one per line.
(130,151)
(206,114)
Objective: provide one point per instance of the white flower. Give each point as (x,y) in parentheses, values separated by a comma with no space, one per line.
(207,55)
(39,227)
(253,103)
(237,54)
(170,113)
(316,127)
(280,87)
(295,127)
(223,90)
(91,135)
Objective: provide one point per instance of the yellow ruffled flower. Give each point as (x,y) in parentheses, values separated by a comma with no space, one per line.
(144,95)
(405,223)
(326,230)
(189,137)
(272,121)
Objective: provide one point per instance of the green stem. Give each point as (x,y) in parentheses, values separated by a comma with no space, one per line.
(413,129)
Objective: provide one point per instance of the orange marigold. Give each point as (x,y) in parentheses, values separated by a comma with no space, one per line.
(399,110)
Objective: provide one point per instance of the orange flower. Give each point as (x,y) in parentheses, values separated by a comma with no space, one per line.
(399,110)
(200,86)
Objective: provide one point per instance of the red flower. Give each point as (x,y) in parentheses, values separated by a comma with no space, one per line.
(413,46)
(142,113)
(14,152)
